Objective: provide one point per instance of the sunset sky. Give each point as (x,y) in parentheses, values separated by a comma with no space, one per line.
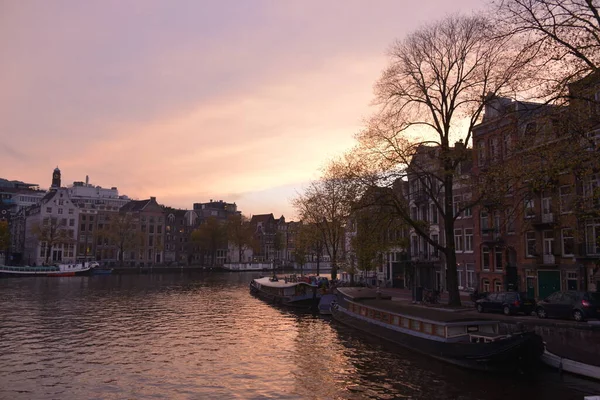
(239,100)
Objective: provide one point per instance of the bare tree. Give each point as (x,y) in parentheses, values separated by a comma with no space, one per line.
(565,34)
(211,235)
(52,232)
(240,233)
(121,231)
(430,97)
(326,204)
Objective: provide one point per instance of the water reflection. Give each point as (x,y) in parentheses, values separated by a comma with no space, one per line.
(204,336)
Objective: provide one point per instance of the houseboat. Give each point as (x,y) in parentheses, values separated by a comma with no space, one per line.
(447,336)
(48,270)
(288,291)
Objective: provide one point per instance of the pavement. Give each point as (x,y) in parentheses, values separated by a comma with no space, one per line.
(405,295)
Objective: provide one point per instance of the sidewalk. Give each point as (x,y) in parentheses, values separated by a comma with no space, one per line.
(406,294)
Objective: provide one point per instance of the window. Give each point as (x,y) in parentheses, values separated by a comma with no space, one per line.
(568,242)
(49,210)
(494,150)
(497,285)
(458,240)
(151,241)
(498,260)
(434,214)
(457,204)
(507,144)
(481,153)
(436,239)
(61,202)
(529,208)
(530,129)
(150,228)
(71,211)
(159,229)
(530,244)
(82,227)
(510,221)
(469,239)
(72,222)
(592,238)
(485,224)
(486,285)
(566,199)
(485,258)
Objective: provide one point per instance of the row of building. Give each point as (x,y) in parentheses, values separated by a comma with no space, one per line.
(72,224)
(526,200)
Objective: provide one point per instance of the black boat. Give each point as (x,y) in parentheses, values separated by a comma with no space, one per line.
(290,292)
(468,342)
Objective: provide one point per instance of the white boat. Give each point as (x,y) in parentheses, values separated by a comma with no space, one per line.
(248,266)
(574,367)
(48,270)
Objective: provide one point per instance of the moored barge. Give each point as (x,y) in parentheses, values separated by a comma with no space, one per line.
(286,291)
(447,336)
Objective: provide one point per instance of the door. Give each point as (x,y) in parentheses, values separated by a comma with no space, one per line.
(531,287)
(548,283)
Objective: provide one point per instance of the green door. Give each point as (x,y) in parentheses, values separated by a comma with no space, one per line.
(530,288)
(548,283)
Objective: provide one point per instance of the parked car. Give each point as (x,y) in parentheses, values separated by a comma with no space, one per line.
(507,303)
(570,304)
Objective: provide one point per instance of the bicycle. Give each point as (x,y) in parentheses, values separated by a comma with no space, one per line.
(431,296)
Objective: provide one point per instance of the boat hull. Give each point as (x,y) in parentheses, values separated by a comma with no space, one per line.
(571,366)
(518,354)
(50,271)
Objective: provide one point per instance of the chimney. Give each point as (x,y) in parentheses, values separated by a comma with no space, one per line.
(87,180)
(152,198)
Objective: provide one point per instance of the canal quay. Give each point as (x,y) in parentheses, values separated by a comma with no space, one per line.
(202,335)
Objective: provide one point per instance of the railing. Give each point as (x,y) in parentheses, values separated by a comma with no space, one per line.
(548,259)
(547,218)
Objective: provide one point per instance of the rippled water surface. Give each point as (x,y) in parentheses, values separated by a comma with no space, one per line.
(206,337)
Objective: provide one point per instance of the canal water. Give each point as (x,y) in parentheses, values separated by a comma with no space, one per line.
(205,337)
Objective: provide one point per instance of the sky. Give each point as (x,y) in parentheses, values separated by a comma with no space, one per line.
(189,100)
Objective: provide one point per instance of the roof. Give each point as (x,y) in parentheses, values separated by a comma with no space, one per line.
(280,283)
(262,218)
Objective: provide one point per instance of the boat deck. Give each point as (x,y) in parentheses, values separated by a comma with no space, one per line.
(368,297)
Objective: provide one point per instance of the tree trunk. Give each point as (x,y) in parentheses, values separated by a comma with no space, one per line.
(451,277)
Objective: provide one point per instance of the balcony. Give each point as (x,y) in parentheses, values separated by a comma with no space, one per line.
(542,221)
(548,259)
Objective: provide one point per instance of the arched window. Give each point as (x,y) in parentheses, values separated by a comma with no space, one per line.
(497,285)
(486,285)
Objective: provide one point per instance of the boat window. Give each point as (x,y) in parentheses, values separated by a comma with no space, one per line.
(363,311)
(456,330)
(376,315)
(396,320)
(427,328)
(440,331)
(385,317)
(405,323)
(493,328)
(415,325)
